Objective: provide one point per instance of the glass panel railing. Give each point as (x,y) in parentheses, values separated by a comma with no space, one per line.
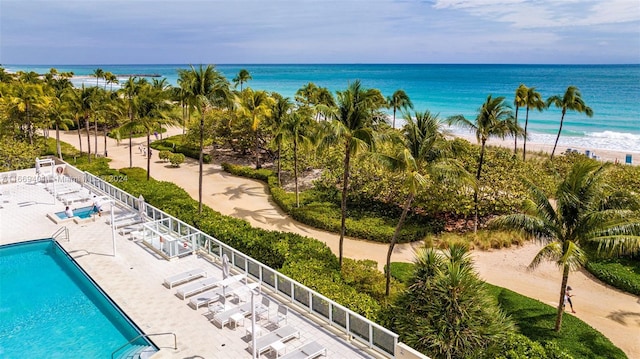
(383,340)
(301,295)
(359,327)
(320,306)
(284,286)
(339,316)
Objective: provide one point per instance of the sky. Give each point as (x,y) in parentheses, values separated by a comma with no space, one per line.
(34,32)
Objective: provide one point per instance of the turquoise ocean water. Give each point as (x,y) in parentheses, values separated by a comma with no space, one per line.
(612,91)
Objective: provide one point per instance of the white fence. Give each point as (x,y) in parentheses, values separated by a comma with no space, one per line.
(351,323)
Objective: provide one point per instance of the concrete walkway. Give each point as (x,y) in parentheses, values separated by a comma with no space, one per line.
(612,312)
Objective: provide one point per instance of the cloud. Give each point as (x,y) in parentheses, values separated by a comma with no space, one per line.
(548,13)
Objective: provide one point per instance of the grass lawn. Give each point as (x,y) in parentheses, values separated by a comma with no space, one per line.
(536,321)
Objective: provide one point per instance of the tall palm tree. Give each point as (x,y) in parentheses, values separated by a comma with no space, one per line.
(520,100)
(495,119)
(572,100)
(424,154)
(583,213)
(353,128)
(298,128)
(153,109)
(399,100)
(279,114)
(130,91)
(256,106)
(207,88)
(534,101)
(242,77)
(61,118)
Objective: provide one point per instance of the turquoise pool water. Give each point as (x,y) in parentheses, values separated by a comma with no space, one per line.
(82,212)
(49,308)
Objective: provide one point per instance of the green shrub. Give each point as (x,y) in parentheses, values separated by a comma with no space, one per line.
(164,155)
(402,271)
(176,159)
(177,144)
(622,273)
(518,346)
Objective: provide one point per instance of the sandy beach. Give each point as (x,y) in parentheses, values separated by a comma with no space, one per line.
(603,155)
(612,312)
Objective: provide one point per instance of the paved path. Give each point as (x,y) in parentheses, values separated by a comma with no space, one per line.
(614,313)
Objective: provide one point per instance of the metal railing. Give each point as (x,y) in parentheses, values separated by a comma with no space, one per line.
(356,326)
(61,232)
(146,336)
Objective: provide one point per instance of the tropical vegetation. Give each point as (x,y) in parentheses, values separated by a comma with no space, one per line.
(376,182)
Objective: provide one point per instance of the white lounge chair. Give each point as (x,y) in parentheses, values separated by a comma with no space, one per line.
(223,318)
(127,222)
(184,277)
(197,287)
(281,334)
(308,351)
(206,298)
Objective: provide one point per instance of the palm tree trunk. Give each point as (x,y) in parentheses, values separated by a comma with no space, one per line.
(558,137)
(200,162)
(105,141)
(86,122)
(515,138)
(396,233)
(343,202)
(130,148)
(279,164)
(79,136)
(148,154)
(563,289)
(475,193)
(58,148)
(257,151)
(524,147)
(394,117)
(95,135)
(295,169)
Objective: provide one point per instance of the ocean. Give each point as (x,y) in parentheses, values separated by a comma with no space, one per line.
(612,91)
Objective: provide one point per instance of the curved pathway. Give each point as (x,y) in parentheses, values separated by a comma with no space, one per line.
(614,313)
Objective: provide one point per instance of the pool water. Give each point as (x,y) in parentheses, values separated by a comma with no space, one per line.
(49,308)
(82,212)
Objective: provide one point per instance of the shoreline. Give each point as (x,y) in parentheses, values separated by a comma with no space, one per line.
(603,155)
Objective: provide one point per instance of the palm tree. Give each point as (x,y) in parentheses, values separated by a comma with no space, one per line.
(399,100)
(520,100)
(59,84)
(534,101)
(153,109)
(130,92)
(256,106)
(279,114)
(298,128)
(98,74)
(572,100)
(242,77)
(423,155)
(207,88)
(495,118)
(353,127)
(583,213)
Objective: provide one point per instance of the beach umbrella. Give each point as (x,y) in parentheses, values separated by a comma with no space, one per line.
(225,266)
(141,205)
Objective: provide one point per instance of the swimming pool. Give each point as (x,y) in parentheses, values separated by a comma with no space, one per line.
(82,212)
(49,308)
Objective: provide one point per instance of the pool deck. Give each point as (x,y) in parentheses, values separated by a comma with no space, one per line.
(133,279)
